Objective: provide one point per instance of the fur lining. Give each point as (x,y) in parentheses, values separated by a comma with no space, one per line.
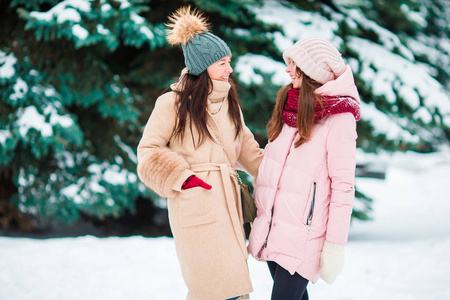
(159,169)
(184,24)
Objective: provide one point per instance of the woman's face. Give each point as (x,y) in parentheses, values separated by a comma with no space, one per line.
(221,69)
(292,71)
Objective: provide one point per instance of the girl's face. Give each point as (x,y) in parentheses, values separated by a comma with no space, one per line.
(220,70)
(296,78)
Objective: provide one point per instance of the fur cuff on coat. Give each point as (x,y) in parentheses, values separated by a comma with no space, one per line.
(161,169)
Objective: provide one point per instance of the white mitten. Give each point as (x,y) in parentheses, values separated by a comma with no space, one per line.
(331,261)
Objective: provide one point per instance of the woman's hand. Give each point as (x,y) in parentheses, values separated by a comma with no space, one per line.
(194,181)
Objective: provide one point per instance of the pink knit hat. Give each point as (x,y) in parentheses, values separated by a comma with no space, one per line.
(317,58)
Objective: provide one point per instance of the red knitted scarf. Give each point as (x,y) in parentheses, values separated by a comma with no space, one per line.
(331,105)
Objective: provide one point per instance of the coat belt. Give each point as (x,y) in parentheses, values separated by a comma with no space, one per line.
(230,187)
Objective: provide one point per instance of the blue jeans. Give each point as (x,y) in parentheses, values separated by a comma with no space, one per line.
(287,286)
(233,298)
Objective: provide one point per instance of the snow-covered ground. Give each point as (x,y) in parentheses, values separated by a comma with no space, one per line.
(403,254)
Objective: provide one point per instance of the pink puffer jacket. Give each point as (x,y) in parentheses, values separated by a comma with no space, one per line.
(310,188)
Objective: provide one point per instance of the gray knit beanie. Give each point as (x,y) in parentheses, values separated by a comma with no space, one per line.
(200,47)
(202,51)
(317,58)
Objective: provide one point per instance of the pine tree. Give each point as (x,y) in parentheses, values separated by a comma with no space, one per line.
(78,80)
(399,53)
(66,113)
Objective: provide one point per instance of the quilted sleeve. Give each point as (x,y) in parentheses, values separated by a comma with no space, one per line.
(341,148)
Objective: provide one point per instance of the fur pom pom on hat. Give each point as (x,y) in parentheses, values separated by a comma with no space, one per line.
(317,58)
(190,29)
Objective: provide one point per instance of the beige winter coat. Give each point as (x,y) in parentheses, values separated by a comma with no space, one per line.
(206,224)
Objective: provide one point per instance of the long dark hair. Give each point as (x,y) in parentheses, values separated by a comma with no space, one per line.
(192,101)
(306,109)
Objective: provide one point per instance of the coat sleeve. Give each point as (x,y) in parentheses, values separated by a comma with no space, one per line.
(341,148)
(251,155)
(160,168)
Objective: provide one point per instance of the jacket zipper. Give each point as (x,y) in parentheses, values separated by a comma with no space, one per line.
(311,209)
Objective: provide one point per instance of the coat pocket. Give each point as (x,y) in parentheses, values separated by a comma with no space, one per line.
(309,209)
(196,207)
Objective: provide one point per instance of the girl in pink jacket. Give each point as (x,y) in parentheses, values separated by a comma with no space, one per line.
(305,185)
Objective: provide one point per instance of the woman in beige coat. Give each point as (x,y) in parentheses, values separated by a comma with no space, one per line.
(190,145)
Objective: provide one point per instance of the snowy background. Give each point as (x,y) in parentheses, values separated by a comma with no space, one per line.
(402,254)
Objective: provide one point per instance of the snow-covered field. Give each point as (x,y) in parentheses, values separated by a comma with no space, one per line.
(403,254)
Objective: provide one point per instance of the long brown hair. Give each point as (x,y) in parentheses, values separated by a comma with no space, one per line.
(192,101)
(306,109)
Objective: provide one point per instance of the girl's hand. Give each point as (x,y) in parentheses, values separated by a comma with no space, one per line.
(331,261)
(194,181)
